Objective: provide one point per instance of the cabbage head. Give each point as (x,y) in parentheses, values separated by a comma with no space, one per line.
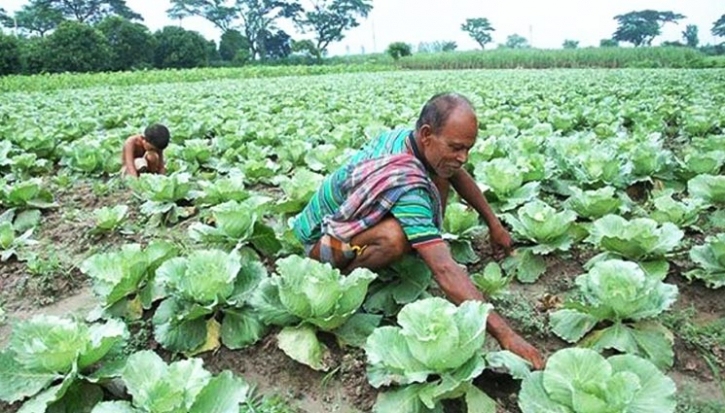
(578,380)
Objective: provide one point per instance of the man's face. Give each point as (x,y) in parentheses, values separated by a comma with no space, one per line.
(447,151)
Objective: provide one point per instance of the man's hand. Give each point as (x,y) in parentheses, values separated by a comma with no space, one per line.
(517,345)
(501,242)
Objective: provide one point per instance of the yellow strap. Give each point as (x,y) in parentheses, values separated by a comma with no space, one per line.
(358,250)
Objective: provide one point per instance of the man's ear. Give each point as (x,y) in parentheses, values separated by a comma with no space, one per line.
(426,134)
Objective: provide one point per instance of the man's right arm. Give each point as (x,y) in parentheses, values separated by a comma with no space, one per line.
(457,286)
(128,160)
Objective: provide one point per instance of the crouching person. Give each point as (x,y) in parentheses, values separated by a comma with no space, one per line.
(145,153)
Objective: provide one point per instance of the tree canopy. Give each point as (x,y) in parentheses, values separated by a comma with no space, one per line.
(35,18)
(516,41)
(718,28)
(479,29)
(570,44)
(178,48)
(90,11)
(691,35)
(641,27)
(132,44)
(329,19)
(221,13)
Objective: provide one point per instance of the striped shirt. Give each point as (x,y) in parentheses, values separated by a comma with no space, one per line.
(414,210)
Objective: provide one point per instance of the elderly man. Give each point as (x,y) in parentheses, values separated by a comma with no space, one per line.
(389,200)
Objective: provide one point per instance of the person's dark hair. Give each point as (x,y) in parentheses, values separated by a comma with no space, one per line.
(438,109)
(157,135)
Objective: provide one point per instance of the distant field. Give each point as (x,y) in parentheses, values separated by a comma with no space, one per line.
(616,57)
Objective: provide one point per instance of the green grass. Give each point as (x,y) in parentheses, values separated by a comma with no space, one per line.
(50,82)
(648,57)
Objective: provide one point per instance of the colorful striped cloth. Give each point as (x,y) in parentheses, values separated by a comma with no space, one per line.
(416,207)
(373,188)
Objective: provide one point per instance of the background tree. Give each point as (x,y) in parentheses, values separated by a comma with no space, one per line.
(277,45)
(231,43)
(132,45)
(329,19)
(437,46)
(4,18)
(399,49)
(641,27)
(718,28)
(178,48)
(449,46)
(35,19)
(608,43)
(75,47)
(516,41)
(32,50)
(691,35)
(221,13)
(259,19)
(90,11)
(9,55)
(479,29)
(570,44)
(305,48)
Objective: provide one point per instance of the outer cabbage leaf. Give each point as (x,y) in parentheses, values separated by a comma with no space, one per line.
(710,258)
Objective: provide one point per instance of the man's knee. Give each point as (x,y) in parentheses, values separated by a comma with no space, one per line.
(393,240)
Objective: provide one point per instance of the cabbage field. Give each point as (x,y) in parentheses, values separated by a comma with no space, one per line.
(189,293)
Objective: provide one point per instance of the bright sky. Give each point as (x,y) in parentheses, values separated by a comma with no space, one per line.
(547,23)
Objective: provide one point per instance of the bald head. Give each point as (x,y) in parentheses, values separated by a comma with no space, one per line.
(438,110)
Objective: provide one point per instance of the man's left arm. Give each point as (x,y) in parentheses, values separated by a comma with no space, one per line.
(466,187)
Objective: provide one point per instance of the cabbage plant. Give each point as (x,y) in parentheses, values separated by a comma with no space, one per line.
(710,258)
(709,188)
(163,196)
(182,386)
(401,283)
(237,224)
(109,219)
(491,281)
(434,355)
(543,225)
(298,190)
(578,380)
(594,204)
(683,213)
(90,157)
(220,190)
(461,226)
(123,280)
(208,299)
(504,184)
(51,362)
(638,239)
(624,295)
(28,194)
(12,244)
(698,161)
(307,296)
